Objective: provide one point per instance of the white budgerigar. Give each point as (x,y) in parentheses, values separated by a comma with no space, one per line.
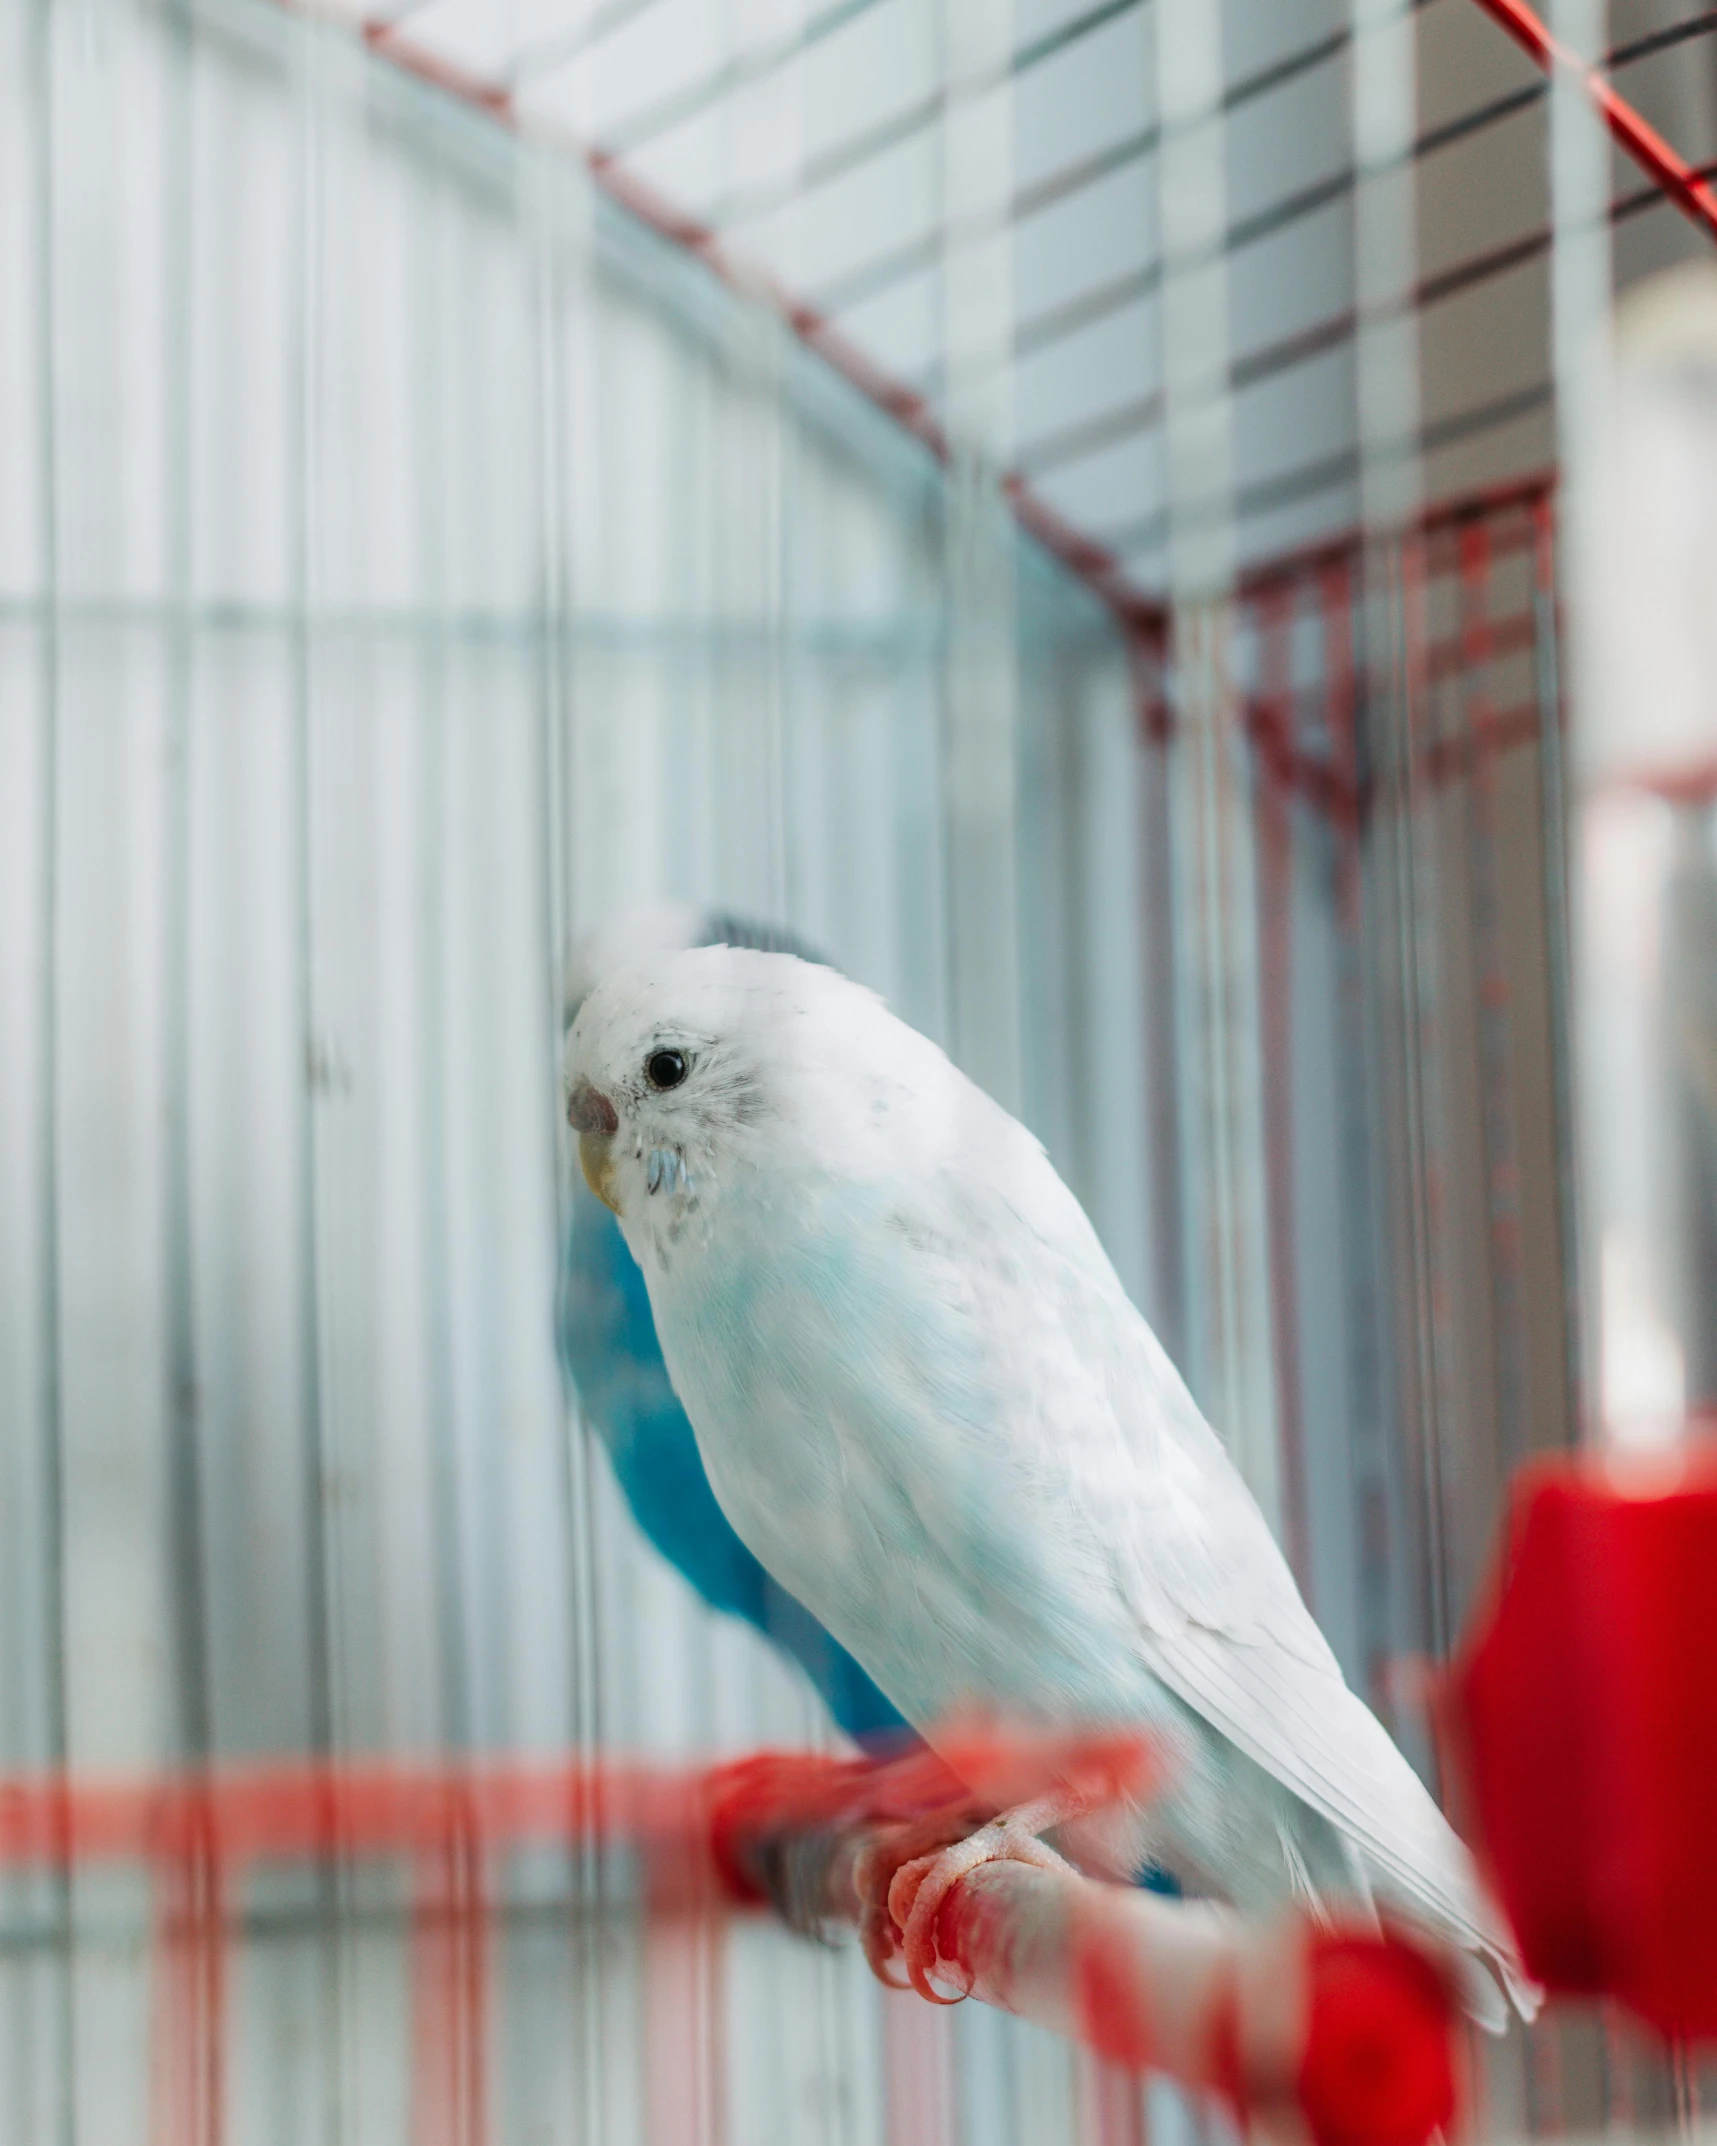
(927,1405)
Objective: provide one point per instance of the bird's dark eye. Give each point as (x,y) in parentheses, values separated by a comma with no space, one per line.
(665,1069)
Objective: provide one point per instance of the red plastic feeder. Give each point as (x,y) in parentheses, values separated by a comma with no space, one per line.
(1378,2068)
(1581,1719)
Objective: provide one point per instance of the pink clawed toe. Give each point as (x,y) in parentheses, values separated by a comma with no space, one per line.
(919,1888)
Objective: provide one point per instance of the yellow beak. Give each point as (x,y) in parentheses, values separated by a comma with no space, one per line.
(595,1159)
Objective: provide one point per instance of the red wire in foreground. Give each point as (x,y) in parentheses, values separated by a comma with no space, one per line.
(1348,2033)
(1684,186)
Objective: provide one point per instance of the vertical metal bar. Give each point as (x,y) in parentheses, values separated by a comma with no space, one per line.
(47,1139)
(552,202)
(1341,718)
(605,1896)
(1684,2075)
(186,1542)
(1580,294)
(1553,810)
(1111,2107)
(308,60)
(1273,810)
(309,98)
(436,813)
(1368,1456)
(1427,1189)
(1496,1067)
(784,879)
(1160,894)
(1230,1356)
(1382,117)
(1230,1353)
(189,2099)
(685,2096)
(449,1963)
(472,1932)
(1393,589)
(918,2057)
(980,679)
(50,1424)
(598,1900)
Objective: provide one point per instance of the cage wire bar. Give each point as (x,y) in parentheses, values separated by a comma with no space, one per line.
(407,554)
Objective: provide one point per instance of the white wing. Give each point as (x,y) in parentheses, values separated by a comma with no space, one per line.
(1224,1627)
(1220,1621)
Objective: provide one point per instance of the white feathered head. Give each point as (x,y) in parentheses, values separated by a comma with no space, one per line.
(628,936)
(687,1071)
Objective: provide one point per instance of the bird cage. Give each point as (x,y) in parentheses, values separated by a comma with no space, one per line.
(1054,504)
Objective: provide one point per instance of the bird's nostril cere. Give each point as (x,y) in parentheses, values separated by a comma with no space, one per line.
(588,1110)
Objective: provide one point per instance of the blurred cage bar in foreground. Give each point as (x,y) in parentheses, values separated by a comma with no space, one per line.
(409,553)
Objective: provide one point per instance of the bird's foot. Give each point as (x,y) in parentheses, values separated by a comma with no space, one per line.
(920,1886)
(888,1851)
(905,1871)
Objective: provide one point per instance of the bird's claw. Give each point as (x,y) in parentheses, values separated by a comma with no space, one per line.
(878,1865)
(881,1943)
(919,1888)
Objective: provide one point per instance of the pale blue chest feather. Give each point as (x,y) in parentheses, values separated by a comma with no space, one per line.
(609,1347)
(846,1422)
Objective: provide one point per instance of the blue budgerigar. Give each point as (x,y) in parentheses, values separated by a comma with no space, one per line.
(927,1406)
(610,1353)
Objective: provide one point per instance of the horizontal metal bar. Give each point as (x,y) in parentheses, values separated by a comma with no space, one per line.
(552,52)
(1325,474)
(1072,443)
(880,274)
(888,639)
(1090,306)
(111,1929)
(749,203)
(741,72)
(1512,510)
(1676,33)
